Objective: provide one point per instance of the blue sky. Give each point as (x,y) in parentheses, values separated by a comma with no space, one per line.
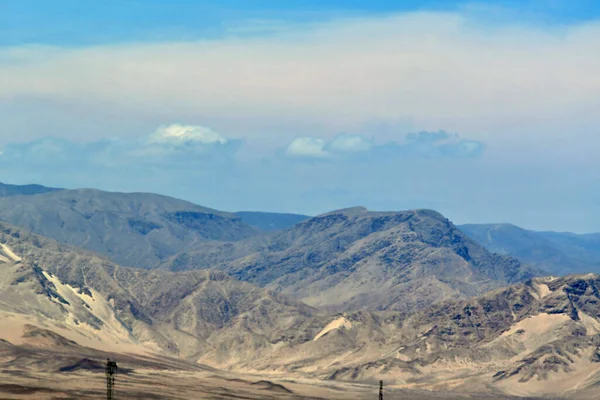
(81,22)
(484,111)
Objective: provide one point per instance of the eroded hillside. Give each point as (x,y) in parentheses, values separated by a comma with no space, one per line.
(532,339)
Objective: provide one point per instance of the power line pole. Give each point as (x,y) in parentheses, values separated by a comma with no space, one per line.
(380,390)
(111,374)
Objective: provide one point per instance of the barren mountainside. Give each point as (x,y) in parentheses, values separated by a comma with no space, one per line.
(343,260)
(536,338)
(136,229)
(356,259)
(348,297)
(184,314)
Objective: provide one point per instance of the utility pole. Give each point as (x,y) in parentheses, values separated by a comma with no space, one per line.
(111,374)
(380,390)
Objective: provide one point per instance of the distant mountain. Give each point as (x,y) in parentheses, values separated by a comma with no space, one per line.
(7,190)
(265,221)
(132,229)
(556,252)
(355,259)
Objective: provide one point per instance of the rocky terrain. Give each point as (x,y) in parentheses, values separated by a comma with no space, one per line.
(560,253)
(323,309)
(540,338)
(345,260)
(356,259)
(533,339)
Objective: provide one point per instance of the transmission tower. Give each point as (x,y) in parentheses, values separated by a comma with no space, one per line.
(380,390)
(111,374)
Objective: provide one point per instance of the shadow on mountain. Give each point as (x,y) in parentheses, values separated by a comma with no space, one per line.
(87,364)
(272,387)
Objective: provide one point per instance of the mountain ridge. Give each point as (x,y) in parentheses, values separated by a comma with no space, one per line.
(133,229)
(560,253)
(342,260)
(342,256)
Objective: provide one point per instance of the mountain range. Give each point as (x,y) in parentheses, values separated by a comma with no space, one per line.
(159,233)
(536,338)
(333,261)
(269,306)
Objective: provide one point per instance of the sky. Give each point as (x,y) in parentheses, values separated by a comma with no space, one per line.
(483,111)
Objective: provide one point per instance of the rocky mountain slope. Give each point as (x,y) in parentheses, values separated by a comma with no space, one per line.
(533,339)
(541,338)
(344,260)
(557,252)
(191,315)
(267,222)
(356,259)
(136,229)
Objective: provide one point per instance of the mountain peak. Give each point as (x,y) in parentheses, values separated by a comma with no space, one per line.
(335,260)
(364,211)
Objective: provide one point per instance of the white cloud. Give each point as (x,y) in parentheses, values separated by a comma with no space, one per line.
(345,143)
(178,135)
(169,146)
(423,144)
(508,85)
(308,147)
(320,148)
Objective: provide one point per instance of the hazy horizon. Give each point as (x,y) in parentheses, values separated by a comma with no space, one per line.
(483,111)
